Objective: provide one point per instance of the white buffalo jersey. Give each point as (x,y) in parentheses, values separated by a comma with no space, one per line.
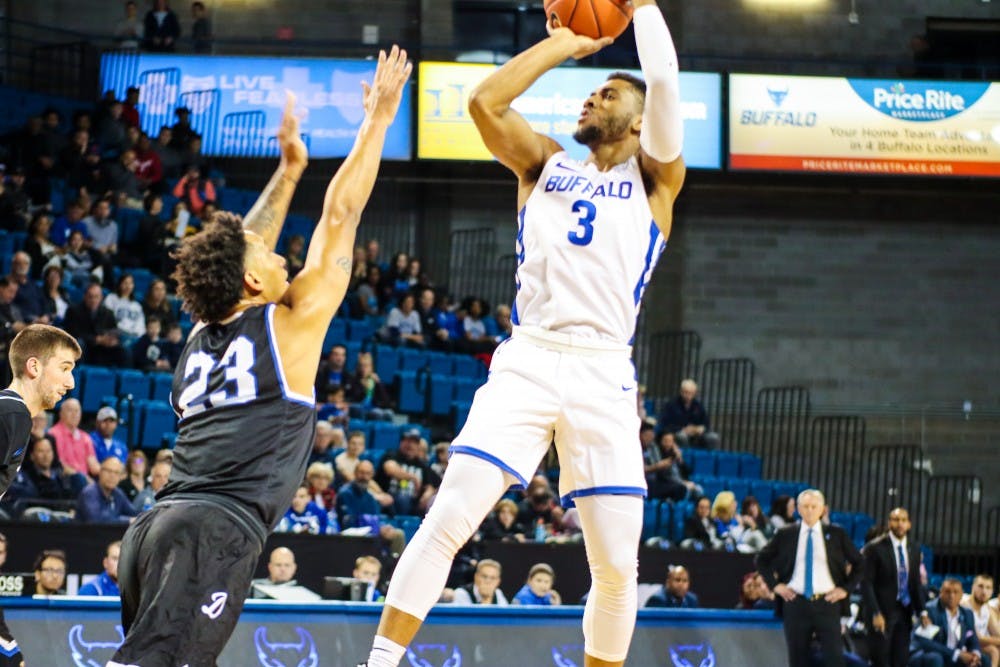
(586,248)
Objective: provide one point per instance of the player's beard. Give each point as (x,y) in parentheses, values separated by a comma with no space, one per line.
(611,128)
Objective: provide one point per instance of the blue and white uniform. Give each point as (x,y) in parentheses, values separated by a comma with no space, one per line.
(586,249)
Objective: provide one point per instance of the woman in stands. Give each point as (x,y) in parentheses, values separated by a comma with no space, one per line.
(156,305)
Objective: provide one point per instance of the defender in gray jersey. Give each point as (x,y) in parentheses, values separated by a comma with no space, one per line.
(243,391)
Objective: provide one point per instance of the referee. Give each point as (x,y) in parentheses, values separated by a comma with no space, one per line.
(42,360)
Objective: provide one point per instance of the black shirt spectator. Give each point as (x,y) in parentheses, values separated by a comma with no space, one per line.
(161,28)
(687,419)
(96,326)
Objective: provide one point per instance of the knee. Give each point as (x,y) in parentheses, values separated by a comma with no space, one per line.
(617,571)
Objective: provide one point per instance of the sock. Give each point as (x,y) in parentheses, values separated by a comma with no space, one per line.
(385,653)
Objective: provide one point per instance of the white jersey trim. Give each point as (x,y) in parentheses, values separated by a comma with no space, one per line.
(273,341)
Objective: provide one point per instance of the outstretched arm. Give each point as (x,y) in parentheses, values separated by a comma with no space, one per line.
(317,291)
(268,213)
(505,132)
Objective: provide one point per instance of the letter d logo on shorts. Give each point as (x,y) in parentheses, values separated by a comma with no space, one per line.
(214,610)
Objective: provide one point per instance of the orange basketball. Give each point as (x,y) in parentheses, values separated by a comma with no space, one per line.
(593,18)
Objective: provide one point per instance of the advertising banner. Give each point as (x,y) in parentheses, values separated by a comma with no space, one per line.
(864,126)
(552,106)
(336,634)
(236,102)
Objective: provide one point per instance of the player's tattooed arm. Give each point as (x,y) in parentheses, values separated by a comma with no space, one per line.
(268,213)
(345,264)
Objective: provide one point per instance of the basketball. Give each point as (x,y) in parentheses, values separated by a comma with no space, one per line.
(593,18)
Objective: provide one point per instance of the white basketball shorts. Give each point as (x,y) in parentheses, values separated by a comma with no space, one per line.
(543,384)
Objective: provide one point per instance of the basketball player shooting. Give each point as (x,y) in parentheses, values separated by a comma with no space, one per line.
(42,360)
(244,393)
(589,235)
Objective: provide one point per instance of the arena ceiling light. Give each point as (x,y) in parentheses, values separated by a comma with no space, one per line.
(789,5)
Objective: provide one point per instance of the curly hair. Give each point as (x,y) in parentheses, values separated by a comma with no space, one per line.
(209,271)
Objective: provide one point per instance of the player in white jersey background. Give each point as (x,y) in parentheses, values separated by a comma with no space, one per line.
(589,235)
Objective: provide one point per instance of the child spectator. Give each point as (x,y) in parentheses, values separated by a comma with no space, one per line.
(127,311)
(335,410)
(538,589)
(305,516)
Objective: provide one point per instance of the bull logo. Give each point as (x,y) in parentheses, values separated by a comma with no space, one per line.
(92,653)
(561,655)
(431,655)
(300,653)
(777,95)
(692,655)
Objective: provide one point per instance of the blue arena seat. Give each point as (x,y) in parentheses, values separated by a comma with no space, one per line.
(843,519)
(143,279)
(359,330)
(134,383)
(386,362)
(763,492)
(156,418)
(335,333)
(374,455)
(98,382)
(363,426)
(751,467)
(702,461)
(711,486)
(439,363)
(160,386)
(408,524)
(740,487)
(468,366)
(412,360)
(650,518)
(681,511)
(862,524)
(385,435)
(412,386)
(727,464)
(460,410)
(442,388)
(465,388)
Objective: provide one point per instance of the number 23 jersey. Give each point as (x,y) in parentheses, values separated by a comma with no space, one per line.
(243,434)
(586,249)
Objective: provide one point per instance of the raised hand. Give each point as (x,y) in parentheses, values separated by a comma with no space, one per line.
(584,46)
(381,98)
(293,150)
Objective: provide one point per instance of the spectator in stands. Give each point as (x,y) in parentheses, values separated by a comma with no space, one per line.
(369,570)
(38,245)
(987,628)
(97,327)
(148,167)
(295,254)
(103,437)
(319,478)
(368,293)
(434,337)
(322,450)
(402,326)
(753,517)
(193,157)
(365,389)
(676,592)
(123,179)
(158,478)
(281,569)
(43,476)
(173,345)
(749,591)
(181,132)
(136,471)
(11,321)
(65,225)
(29,297)
(127,311)
(373,255)
(439,461)
(14,201)
(891,559)
(811,567)
(739,533)
(128,31)
(955,640)
(55,295)
(360,501)
(170,158)
(331,370)
(74,446)
(160,28)
(112,135)
(106,583)
(416,277)
(50,572)
(699,528)
(130,110)
(347,461)
(782,512)
(662,474)
(407,477)
(201,29)
(539,503)
(687,419)
(155,304)
(305,516)
(538,589)
(334,407)
(80,265)
(146,353)
(79,158)
(394,281)
(485,586)
(103,501)
(475,338)
(150,247)
(505,327)
(359,269)
(502,523)
(194,190)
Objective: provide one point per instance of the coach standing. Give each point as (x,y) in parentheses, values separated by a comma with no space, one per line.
(892,591)
(811,568)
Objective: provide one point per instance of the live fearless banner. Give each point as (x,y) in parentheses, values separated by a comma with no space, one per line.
(864,126)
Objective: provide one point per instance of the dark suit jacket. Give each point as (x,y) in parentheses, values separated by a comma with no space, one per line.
(880,585)
(776,561)
(939,644)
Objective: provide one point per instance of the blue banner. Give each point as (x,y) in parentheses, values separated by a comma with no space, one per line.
(236,102)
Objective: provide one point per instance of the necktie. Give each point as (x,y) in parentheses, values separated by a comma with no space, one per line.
(808,592)
(902,579)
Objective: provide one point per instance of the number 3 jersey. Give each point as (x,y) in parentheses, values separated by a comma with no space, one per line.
(586,248)
(244,437)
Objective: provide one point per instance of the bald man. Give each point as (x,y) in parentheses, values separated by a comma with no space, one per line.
(687,419)
(281,569)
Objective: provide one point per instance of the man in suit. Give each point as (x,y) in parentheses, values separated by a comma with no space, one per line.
(676,593)
(811,568)
(954,639)
(892,591)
